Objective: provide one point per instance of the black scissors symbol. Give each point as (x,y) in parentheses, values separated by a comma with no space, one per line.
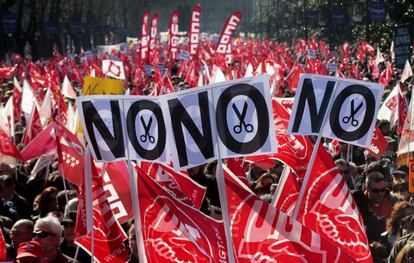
(238,128)
(351,118)
(147,135)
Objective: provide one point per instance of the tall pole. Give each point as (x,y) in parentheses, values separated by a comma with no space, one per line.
(305,20)
(278,19)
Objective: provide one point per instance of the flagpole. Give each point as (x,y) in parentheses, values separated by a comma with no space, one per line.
(133,182)
(89,199)
(312,159)
(221,184)
(282,181)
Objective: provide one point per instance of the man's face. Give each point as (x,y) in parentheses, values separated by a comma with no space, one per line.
(46,237)
(69,232)
(376,192)
(19,234)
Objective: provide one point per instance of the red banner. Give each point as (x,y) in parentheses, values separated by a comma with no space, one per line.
(7,146)
(143,48)
(108,235)
(378,143)
(180,186)
(262,233)
(153,33)
(227,32)
(195,30)
(175,232)
(173,33)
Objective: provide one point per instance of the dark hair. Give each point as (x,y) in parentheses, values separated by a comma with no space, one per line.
(396,217)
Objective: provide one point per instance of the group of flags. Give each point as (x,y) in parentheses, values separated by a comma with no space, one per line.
(324,227)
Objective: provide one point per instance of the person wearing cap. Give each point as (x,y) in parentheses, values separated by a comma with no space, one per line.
(30,251)
(48,232)
(68,246)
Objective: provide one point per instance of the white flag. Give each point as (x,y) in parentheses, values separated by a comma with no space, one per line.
(67,89)
(407,72)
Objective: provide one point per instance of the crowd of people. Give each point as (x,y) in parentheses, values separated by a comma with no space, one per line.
(38,209)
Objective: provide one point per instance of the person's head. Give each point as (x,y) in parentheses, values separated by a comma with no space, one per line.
(7,185)
(407,225)
(47,201)
(378,251)
(401,188)
(369,158)
(132,240)
(400,211)
(375,186)
(263,184)
(21,231)
(30,252)
(210,168)
(68,222)
(48,231)
(195,170)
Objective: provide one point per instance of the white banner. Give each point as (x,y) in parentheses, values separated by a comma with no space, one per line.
(343,109)
(233,118)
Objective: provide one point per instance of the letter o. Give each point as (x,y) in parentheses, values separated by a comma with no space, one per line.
(369,98)
(133,111)
(262,118)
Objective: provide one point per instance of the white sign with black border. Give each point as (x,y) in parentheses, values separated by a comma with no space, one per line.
(350,106)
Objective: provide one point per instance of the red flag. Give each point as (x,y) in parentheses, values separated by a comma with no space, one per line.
(262,233)
(173,33)
(402,110)
(180,186)
(237,167)
(143,48)
(378,143)
(328,208)
(43,144)
(287,192)
(227,32)
(175,232)
(153,34)
(293,77)
(33,128)
(108,234)
(386,75)
(3,247)
(7,72)
(195,30)
(7,146)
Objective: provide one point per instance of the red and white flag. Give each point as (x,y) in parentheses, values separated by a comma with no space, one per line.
(108,236)
(287,192)
(407,72)
(43,143)
(378,143)
(7,117)
(195,30)
(7,72)
(388,109)
(175,232)
(153,34)
(67,89)
(3,247)
(33,128)
(7,146)
(173,34)
(406,144)
(144,45)
(227,32)
(262,233)
(328,209)
(179,185)
(113,69)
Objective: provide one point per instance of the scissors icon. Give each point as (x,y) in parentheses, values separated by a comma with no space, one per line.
(147,135)
(351,118)
(238,128)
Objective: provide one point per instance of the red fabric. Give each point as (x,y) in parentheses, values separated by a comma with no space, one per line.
(175,232)
(43,143)
(7,72)
(378,143)
(259,230)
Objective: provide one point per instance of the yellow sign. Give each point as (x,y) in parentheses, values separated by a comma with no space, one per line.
(101,86)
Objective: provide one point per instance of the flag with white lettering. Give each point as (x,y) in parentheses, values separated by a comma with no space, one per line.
(195,30)
(173,34)
(175,232)
(227,32)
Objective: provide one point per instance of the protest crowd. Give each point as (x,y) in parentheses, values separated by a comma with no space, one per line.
(43,158)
